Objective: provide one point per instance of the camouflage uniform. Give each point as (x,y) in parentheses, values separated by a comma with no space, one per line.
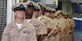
(62,26)
(54,24)
(71,28)
(26,33)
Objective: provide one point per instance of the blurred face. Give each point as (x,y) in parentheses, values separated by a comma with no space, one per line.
(61,16)
(56,14)
(52,15)
(29,11)
(19,14)
(40,11)
(36,14)
(48,14)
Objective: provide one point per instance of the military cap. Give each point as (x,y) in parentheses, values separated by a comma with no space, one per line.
(18,6)
(60,12)
(47,9)
(68,16)
(37,7)
(43,7)
(53,10)
(40,5)
(29,4)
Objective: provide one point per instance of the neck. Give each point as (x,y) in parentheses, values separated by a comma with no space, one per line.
(52,18)
(35,16)
(41,15)
(47,16)
(28,17)
(61,18)
(18,20)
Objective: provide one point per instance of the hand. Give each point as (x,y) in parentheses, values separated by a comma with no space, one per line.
(51,32)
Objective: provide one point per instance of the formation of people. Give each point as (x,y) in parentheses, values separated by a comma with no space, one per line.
(37,22)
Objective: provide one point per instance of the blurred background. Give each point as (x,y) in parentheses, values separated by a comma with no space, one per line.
(72,7)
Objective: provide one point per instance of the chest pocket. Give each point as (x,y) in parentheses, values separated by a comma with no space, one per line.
(26,32)
(12,34)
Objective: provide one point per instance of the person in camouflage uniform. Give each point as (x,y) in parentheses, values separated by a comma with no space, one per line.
(39,25)
(19,29)
(62,25)
(54,33)
(71,28)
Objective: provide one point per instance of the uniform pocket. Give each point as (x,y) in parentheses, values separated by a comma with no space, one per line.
(26,33)
(11,33)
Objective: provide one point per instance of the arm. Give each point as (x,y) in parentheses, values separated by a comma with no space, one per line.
(5,36)
(41,31)
(54,31)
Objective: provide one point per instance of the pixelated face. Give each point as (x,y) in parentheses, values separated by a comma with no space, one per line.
(36,13)
(56,14)
(19,14)
(40,11)
(29,11)
(48,14)
(61,16)
(52,15)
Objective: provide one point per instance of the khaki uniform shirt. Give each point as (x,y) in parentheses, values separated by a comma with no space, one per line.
(71,23)
(39,26)
(25,33)
(47,21)
(54,23)
(55,37)
(62,23)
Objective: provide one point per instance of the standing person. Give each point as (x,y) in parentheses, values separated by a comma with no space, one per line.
(62,25)
(39,25)
(42,12)
(19,30)
(53,35)
(71,28)
(53,13)
(48,12)
(47,20)
(37,11)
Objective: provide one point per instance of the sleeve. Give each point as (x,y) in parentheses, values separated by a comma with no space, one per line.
(5,36)
(62,24)
(55,25)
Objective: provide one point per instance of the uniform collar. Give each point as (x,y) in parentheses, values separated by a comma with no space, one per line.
(23,24)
